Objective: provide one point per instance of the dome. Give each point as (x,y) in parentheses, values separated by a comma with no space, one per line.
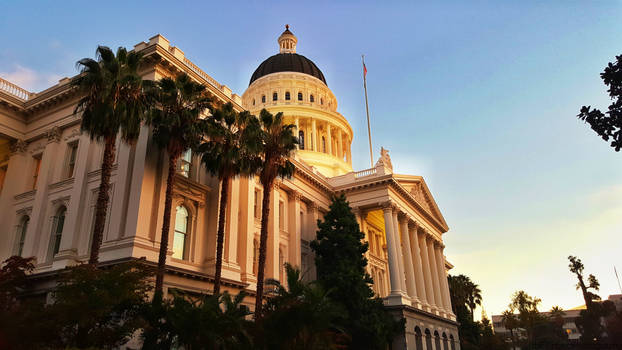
(287,62)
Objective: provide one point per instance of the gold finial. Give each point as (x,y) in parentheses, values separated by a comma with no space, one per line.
(287,27)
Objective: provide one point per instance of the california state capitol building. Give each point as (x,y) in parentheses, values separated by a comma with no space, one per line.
(50,173)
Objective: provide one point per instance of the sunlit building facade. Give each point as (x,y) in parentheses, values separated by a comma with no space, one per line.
(50,173)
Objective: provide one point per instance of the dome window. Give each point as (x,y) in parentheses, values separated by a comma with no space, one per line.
(300,96)
(263,98)
(253,102)
(323,144)
(321,101)
(275,96)
(287,97)
(311,98)
(301,139)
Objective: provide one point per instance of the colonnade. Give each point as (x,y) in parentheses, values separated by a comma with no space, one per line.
(416,264)
(323,136)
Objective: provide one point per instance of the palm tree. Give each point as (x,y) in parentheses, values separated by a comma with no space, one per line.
(177,127)
(113,101)
(474,297)
(300,316)
(278,143)
(230,151)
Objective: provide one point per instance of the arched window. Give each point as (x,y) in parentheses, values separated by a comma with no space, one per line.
(445,343)
(323,144)
(428,339)
(300,96)
(301,139)
(311,98)
(253,102)
(287,97)
(275,96)
(263,98)
(21,234)
(437,340)
(180,239)
(321,100)
(418,339)
(57,229)
(452,342)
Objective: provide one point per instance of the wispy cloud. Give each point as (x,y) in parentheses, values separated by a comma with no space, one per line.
(29,79)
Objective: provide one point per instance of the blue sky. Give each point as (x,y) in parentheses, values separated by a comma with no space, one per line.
(478,97)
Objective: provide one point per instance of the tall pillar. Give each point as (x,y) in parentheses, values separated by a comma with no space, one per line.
(231,225)
(417,264)
(425,262)
(329,140)
(434,271)
(314,136)
(400,257)
(46,173)
(341,150)
(15,182)
(247,231)
(294,228)
(408,265)
(297,123)
(440,258)
(274,235)
(396,294)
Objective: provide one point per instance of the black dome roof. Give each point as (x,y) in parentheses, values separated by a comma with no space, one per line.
(287,62)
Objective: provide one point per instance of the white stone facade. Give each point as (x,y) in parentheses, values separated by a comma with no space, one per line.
(49,176)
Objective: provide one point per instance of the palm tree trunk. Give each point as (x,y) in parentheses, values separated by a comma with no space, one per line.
(166,223)
(103,197)
(224,195)
(263,239)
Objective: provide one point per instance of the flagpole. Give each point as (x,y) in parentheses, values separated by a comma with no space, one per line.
(371,153)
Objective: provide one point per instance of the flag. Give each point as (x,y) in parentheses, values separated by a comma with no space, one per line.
(364,69)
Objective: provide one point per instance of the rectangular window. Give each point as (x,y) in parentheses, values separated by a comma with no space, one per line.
(72,152)
(35,174)
(184,163)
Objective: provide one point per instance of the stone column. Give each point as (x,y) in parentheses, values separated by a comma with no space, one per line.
(396,292)
(400,257)
(443,278)
(231,225)
(247,230)
(329,140)
(39,216)
(438,301)
(297,123)
(313,136)
(15,182)
(425,262)
(408,264)
(294,228)
(341,150)
(274,235)
(417,264)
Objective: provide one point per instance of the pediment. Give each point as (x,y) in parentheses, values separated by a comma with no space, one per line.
(419,191)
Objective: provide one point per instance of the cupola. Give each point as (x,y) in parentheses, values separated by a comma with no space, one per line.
(287,41)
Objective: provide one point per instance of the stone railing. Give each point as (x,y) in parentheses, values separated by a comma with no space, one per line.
(366,172)
(14,90)
(203,75)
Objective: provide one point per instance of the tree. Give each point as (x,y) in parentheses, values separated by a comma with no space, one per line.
(277,144)
(510,322)
(576,267)
(230,151)
(114,297)
(300,316)
(608,125)
(528,314)
(340,261)
(113,101)
(177,127)
(464,293)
